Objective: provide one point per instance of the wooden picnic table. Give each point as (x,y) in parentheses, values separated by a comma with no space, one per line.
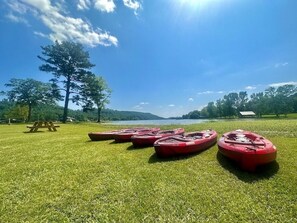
(43,124)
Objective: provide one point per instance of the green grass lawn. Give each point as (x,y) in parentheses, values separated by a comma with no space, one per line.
(63,177)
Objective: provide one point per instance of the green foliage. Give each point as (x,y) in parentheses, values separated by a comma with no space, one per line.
(49,112)
(95,91)
(114,115)
(29,93)
(70,65)
(192,115)
(63,177)
(18,112)
(281,100)
(5,107)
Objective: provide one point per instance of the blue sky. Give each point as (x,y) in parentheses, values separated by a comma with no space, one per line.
(166,57)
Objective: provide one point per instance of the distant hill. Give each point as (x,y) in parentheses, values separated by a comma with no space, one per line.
(54,112)
(115,115)
(111,115)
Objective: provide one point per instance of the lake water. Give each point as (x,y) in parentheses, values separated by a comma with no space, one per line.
(160,122)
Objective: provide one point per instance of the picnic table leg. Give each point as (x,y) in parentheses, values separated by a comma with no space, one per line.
(35,127)
(51,126)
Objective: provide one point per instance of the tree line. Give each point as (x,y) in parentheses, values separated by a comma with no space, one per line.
(18,113)
(72,80)
(274,100)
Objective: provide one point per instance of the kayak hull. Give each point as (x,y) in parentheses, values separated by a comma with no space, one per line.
(248,149)
(149,139)
(126,135)
(182,145)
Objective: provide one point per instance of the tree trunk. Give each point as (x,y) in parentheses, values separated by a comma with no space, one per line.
(29,112)
(65,114)
(99,114)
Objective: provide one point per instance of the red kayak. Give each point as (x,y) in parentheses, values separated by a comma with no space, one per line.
(148,139)
(189,143)
(125,136)
(98,136)
(247,148)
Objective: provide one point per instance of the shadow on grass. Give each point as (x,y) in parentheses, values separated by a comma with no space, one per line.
(155,159)
(132,147)
(35,132)
(114,142)
(101,140)
(88,141)
(262,172)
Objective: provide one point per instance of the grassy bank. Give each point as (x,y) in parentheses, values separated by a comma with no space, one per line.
(63,177)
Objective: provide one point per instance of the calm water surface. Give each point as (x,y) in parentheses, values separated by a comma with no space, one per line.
(160,122)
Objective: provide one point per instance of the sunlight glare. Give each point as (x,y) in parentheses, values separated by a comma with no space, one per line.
(194,3)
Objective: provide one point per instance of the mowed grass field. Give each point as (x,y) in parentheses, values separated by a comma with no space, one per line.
(64,177)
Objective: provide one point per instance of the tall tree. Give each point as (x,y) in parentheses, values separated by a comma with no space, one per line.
(273,107)
(229,104)
(219,105)
(242,101)
(211,110)
(69,64)
(258,103)
(30,93)
(5,107)
(95,92)
(285,98)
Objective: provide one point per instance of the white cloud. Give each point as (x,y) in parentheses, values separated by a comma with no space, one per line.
(205,92)
(141,105)
(18,7)
(104,5)
(83,4)
(171,105)
(132,4)
(63,28)
(283,83)
(250,88)
(283,64)
(210,92)
(138,107)
(191,99)
(17,19)
(42,5)
(40,34)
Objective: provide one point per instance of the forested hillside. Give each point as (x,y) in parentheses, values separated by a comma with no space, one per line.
(275,101)
(9,110)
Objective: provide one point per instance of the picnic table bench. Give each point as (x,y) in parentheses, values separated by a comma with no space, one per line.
(43,124)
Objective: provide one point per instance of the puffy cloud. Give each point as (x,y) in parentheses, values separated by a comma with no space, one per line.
(68,28)
(104,5)
(132,4)
(83,4)
(190,99)
(63,28)
(107,5)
